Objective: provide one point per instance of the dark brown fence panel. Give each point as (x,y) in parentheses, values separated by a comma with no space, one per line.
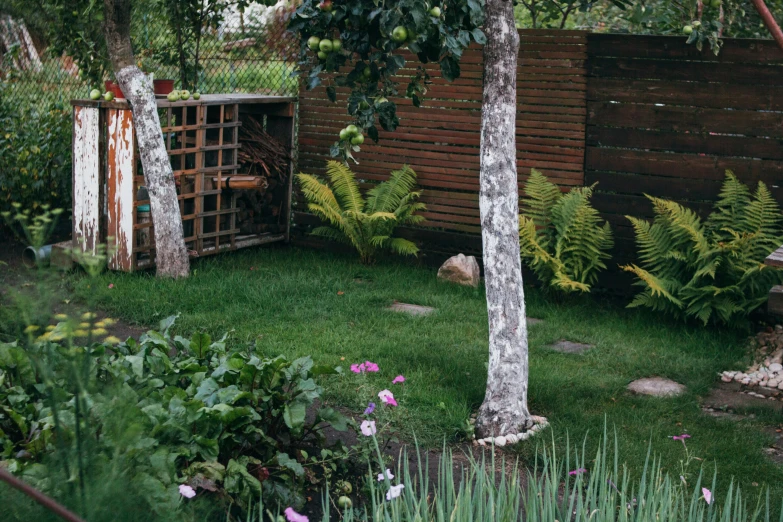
(668,120)
(440,139)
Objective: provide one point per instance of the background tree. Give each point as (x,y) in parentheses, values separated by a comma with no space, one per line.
(171,256)
(360,42)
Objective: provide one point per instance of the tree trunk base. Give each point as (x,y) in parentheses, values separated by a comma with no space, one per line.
(536,424)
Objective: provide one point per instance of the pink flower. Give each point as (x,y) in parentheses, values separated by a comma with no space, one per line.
(293,516)
(387,397)
(371,366)
(357,368)
(681,437)
(577,471)
(111,285)
(394,491)
(707,495)
(368,428)
(398,379)
(385,475)
(187,491)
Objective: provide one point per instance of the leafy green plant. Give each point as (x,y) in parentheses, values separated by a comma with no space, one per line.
(712,270)
(366,223)
(561,235)
(175,411)
(35,154)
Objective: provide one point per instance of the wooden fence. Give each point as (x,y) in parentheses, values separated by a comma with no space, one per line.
(636,114)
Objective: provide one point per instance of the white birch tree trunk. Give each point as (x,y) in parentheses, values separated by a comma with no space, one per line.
(171,258)
(504,410)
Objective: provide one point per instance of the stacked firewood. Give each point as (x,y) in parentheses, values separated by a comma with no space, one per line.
(261,154)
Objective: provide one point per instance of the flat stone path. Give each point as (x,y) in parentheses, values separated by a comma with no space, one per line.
(657,387)
(564,346)
(411,309)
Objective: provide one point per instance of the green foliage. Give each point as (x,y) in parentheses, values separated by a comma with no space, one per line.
(568,486)
(711,271)
(367,224)
(35,156)
(366,29)
(158,413)
(561,235)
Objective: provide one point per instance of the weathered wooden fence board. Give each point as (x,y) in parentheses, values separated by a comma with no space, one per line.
(86,179)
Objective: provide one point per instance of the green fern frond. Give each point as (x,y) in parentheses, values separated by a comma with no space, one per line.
(541,198)
(344,185)
(367,225)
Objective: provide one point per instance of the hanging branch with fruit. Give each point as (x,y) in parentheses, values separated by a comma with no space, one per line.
(358,44)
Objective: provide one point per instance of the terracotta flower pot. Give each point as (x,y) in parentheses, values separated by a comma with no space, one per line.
(114,87)
(163,87)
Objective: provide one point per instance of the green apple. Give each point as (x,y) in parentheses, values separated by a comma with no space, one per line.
(352,129)
(313,42)
(184,94)
(173,96)
(363,105)
(367,72)
(715,3)
(687,29)
(108,96)
(325,6)
(696,24)
(380,101)
(325,45)
(357,140)
(322,55)
(95,94)
(345,135)
(337,45)
(400,34)
(435,11)
(344,502)
(196,95)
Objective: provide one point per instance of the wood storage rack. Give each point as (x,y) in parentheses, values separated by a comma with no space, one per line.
(202,138)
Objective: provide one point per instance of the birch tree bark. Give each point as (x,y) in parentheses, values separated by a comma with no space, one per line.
(504,410)
(171,256)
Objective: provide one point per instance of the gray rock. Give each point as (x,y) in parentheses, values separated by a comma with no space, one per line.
(564,346)
(460,269)
(411,309)
(657,387)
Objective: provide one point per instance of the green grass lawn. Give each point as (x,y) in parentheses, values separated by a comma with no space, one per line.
(301,302)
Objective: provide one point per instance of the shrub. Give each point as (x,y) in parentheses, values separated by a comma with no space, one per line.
(35,156)
(367,224)
(712,271)
(159,413)
(561,235)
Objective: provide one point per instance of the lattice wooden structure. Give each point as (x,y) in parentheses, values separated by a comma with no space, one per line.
(202,140)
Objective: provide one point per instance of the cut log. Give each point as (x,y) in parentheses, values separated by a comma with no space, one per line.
(241,182)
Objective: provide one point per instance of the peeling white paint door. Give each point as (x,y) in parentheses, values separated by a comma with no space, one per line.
(86,178)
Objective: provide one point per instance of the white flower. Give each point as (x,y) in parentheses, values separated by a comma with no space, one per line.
(368,428)
(394,491)
(187,491)
(384,476)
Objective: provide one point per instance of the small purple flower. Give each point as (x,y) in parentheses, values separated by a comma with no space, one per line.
(681,437)
(577,471)
(707,495)
(370,409)
(399,379)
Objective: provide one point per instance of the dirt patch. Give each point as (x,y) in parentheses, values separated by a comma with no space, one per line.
(730,397)
(16,279)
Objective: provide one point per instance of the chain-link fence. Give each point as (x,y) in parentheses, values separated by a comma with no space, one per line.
(235,50)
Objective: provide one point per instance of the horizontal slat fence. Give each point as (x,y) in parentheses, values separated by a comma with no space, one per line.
(440,139)
(666,119)
(635,114)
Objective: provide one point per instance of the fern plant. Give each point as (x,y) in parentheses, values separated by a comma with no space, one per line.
(366,224)
(712,270)
(561,236)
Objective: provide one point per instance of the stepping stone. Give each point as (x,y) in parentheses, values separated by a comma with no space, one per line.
(411,309)
(532,320)
(564,346)
(657,387)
